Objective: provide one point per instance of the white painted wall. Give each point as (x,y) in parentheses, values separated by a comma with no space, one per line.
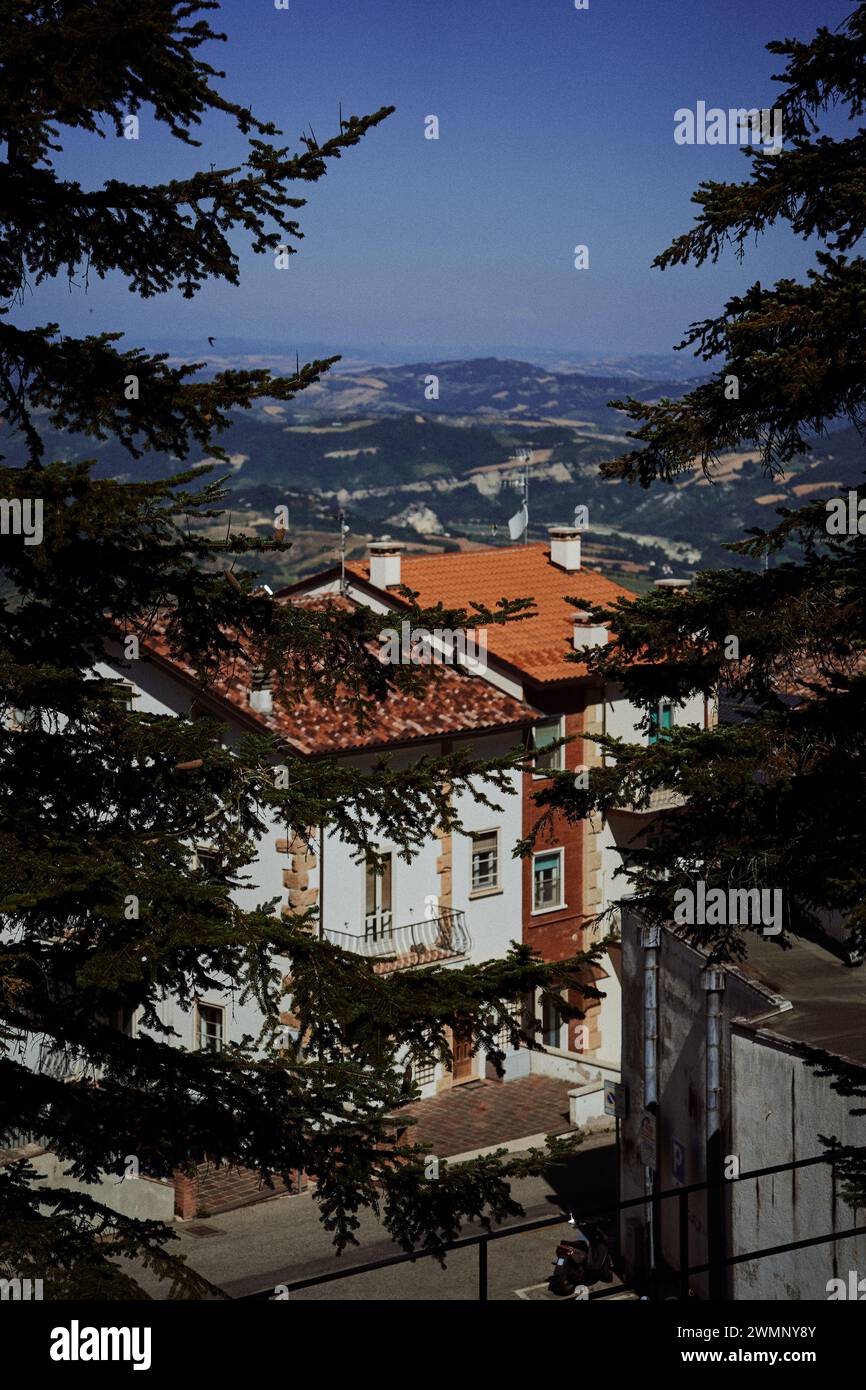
(622,719)
(493,921)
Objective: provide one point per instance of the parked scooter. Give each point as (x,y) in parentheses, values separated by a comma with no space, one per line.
(581,1262)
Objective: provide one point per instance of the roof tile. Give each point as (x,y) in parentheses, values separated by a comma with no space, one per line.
(536,646)
(453,703)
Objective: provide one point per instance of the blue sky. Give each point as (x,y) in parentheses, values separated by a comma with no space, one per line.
(556,128)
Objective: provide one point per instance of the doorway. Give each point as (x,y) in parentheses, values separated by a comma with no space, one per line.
(464,1058)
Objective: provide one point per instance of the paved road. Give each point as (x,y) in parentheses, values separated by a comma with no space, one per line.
(282,1240)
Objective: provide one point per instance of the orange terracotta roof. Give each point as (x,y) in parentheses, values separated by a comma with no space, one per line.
(453,703)
(536,646)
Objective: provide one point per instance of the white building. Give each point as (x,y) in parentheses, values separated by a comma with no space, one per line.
(457,902)
(572,876)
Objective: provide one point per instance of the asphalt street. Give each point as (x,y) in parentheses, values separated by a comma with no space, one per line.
(258,1248)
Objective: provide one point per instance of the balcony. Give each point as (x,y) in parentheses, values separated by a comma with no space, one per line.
(425,942)
(660,799)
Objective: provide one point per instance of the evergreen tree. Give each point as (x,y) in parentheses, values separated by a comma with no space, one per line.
(775,796)
(104,910)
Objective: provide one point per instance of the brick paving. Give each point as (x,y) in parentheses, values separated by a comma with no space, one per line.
(225,1189)
(478,1115)
(483,1113)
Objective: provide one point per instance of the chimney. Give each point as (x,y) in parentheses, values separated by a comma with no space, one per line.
(385,563)
(585,635)
(672,583)
(565,547)
(261,696)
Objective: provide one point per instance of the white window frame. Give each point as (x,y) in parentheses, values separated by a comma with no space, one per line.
(556,1046)
(199,1020)
(202,850)
(489,889)
(552,907)
(560,752)
(379,924)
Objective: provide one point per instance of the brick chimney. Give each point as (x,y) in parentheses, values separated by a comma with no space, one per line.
(385,563)
(565,547)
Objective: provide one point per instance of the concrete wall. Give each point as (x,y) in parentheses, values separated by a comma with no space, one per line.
(773,1110)
(140,1198)
(779,1107)
(492,920)
(681,1086)
(621,833)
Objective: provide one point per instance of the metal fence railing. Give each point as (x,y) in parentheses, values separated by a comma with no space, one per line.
(428,939)
(657,1278)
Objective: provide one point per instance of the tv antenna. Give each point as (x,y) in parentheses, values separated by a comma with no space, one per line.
(518,525)
(344,531)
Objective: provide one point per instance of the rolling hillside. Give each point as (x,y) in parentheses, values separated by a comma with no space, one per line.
(446,471)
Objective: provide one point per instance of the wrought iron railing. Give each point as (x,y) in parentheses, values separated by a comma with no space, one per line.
(13,1139)
(660,799)
(427,939)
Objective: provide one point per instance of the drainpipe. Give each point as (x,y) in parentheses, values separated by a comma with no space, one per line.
(321,881)
(651,942)
(714,985)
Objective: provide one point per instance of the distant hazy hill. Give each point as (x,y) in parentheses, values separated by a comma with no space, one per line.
(368,441)
(488,387)
(279,355)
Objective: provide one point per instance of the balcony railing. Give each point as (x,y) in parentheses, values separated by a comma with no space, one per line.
(424,942)
(660,799)
(378,924)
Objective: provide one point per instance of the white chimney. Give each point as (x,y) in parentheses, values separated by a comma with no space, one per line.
(672,583)
(261,695)
(585,635)
(385,563)
(565,547)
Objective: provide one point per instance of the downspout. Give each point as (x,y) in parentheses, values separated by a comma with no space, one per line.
(321,882)
(714,985)
(651,942)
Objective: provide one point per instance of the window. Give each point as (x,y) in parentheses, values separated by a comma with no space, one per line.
(661,720)
(547,758)
(503,1037)
(122,1019)
(377,896)
(424,1071)
(128,692)
(206,859)
(547,881)
(210,1028)
(485,861)
(551,1023)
